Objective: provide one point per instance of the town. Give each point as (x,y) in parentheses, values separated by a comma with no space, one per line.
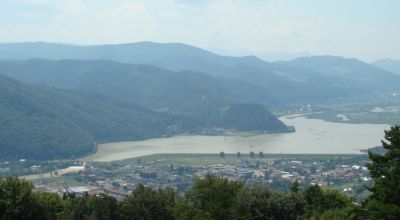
(346,173)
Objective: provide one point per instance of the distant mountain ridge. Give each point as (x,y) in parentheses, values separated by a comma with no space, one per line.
(296,79)
(352,70)
(390,65)
(140,84)
(135,53)
(188,93)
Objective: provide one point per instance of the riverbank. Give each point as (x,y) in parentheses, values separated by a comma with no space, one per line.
(312,136)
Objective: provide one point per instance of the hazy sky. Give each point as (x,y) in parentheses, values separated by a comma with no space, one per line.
(366,29)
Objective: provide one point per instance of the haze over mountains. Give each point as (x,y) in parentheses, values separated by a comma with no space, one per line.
(273,78)
(390,65)
(69,97)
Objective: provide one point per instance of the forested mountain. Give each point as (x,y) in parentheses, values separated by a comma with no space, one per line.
(353,71)
(38,122)
(284,82)
(173,56)
(272,85)
(188,92)
(247,117)
(142,90)
(42,123)
(390,65)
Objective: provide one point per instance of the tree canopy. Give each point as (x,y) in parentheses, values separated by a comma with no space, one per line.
(385,171)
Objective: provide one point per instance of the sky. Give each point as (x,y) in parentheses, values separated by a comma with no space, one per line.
(364,29)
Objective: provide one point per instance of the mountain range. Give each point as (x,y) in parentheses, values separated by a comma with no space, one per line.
(39,122)
(60,100)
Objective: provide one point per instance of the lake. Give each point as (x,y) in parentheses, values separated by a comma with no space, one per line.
(312,136)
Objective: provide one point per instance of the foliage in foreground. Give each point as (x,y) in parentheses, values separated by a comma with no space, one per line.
(210,198)
(385,170)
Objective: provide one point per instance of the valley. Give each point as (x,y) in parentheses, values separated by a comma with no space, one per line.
(199,110)
(148,97)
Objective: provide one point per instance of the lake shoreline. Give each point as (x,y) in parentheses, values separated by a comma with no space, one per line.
(313,136)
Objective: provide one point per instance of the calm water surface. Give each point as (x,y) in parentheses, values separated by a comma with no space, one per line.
(312,136)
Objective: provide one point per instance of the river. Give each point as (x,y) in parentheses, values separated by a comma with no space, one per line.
(312,136)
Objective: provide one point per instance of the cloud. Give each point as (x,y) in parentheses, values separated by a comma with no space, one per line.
(254,25)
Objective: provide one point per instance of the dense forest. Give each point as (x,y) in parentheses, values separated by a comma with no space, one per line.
(42,123)
(218,198)
(146,66)
(46,123)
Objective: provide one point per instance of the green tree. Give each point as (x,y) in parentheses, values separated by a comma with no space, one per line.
(50,205)
(257,202)
(100,207)
(16,200)
(75,207)
(146,203)
(210,198)
(341,214)
(384,203)
(295,187)
(252,154)
(318,201)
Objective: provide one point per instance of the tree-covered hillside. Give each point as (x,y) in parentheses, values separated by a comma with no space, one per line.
(163,89)
(351,70)
(249,117)
(153,87)
(197,96)
(42,123)
(38,122)
(275,83)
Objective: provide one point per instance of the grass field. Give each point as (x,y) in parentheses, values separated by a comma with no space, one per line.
(209,159)
(383,110)
(59,181)
(390,118)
